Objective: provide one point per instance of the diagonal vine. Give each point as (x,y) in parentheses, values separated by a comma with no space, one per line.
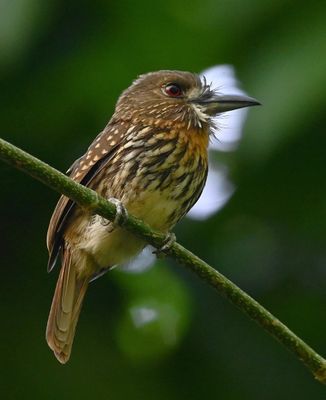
(90,200)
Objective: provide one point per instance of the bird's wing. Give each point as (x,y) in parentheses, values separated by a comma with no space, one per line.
(83,170)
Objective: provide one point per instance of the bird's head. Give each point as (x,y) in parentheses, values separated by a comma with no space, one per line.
(176,96)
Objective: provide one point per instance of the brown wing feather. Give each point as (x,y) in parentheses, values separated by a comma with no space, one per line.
(83,170)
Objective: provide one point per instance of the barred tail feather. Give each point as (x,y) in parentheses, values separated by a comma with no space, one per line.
(65,309)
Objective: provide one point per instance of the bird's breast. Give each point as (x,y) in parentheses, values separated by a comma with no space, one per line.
(160,180)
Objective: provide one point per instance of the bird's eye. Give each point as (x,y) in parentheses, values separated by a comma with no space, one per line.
(173,90)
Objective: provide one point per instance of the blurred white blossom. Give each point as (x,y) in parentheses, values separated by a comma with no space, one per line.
(219,188)
(143,261)
(229,124)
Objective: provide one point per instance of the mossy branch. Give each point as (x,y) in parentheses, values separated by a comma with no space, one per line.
(92,201)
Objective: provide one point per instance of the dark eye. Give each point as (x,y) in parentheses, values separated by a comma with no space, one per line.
(173,90)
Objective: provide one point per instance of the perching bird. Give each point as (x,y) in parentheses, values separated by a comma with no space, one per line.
(151,157)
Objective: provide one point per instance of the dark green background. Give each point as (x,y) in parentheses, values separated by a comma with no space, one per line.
(62,66)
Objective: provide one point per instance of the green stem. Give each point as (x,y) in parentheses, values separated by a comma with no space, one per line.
(91,200)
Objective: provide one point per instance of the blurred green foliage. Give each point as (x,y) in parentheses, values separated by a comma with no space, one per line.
(62,66)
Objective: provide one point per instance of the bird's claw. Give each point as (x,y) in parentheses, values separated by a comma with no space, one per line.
(120,217)
(168,242)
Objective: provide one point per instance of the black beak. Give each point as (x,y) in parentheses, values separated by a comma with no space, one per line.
(215,104)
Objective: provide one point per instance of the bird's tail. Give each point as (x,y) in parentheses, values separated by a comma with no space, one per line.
(65,309)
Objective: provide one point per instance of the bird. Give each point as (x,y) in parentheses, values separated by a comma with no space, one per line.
(151,160)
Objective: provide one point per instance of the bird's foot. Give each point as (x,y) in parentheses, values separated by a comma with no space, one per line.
(120,217)
(168,242)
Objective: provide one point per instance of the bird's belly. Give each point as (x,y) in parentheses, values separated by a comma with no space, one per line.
(109,248)
(154,208)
